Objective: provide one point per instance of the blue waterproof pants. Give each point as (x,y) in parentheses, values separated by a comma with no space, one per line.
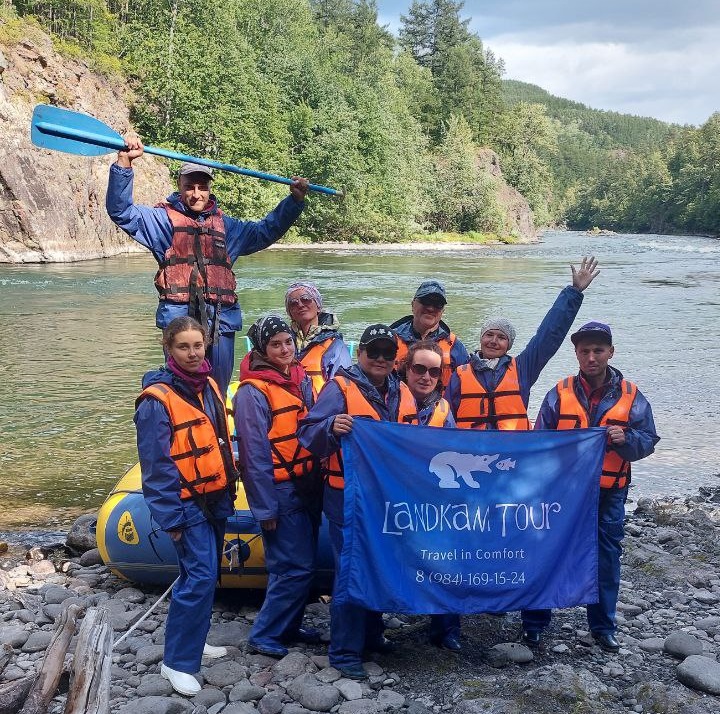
(188,619)
(611,531)
(290,561)
(352,627)
(221,357)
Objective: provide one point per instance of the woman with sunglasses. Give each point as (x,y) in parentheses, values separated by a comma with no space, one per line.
(188,481)
(370,389)
(422,371)
(274,393)
(321,349)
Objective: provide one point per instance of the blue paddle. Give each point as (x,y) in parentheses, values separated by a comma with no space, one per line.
(76,133)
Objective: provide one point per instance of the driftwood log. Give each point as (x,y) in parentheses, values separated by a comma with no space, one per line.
(5,655)
(46,682)
(13,694)
(89,691)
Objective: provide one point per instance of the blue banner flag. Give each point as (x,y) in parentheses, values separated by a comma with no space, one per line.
(464,521)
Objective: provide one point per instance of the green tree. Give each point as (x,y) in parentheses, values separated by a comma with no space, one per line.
(462,196)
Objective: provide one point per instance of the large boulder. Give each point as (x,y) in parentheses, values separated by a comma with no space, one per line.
(81,536)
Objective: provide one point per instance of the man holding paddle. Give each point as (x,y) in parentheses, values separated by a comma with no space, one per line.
(195,246)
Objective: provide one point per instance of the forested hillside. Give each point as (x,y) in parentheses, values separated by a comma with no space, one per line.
(318,88)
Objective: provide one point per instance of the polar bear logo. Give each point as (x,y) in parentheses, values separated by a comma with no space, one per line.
(448,465)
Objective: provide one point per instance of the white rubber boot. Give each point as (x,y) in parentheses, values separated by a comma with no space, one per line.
(182,682)
(212,652)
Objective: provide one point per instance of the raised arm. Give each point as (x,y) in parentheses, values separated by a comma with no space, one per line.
(555,325)
(148,226)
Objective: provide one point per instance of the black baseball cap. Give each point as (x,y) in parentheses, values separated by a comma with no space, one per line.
(373,333)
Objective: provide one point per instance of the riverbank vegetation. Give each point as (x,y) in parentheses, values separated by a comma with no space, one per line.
(319,88)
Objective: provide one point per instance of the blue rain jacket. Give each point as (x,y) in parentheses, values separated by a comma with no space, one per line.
(337,355)
(160,476)
(253,421)
(640,435)
(152,228)
(532,360)
(315,430)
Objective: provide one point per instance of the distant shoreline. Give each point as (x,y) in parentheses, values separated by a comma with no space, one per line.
(412,246)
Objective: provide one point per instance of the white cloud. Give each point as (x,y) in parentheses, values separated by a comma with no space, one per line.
(648,57)
(670,84)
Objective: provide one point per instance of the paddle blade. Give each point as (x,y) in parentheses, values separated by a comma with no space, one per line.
(72,132)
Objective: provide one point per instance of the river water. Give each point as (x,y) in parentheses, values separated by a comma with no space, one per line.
(75,340)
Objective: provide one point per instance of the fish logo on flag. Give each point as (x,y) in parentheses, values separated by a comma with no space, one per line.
(465,521)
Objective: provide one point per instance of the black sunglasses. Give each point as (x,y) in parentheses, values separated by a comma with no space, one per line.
(436,302)
(421,369)
(389,353)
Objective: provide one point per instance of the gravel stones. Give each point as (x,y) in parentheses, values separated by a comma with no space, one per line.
(14,636)
(157,705)
(37,641)
(225,674)
(149,654)
(244,691)
(228,634)
(349,688)
(311,694)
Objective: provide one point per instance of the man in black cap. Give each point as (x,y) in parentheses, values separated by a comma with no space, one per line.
(371,389)
(196,246)
(426,323)
(599,395)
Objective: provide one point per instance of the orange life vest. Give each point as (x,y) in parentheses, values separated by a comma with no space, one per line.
(445,343)
(197,261)
(312,362)
(440,412)
(290,459)
(356,406)
(573,415)
(501,409)
(202,456)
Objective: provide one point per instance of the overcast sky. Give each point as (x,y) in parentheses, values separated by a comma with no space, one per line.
(658,58)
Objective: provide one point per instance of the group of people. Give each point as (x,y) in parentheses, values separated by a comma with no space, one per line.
(297,394)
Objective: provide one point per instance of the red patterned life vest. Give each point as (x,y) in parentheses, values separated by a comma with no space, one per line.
(196,265)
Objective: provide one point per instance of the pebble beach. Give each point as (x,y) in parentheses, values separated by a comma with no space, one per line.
(669,629)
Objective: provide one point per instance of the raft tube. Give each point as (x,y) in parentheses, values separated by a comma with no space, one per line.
(134,548)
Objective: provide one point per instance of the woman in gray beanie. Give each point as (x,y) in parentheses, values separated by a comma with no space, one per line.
(492,391)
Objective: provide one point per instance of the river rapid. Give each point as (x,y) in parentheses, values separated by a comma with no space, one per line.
(75,340)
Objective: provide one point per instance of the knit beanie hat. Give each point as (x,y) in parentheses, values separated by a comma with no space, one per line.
(501,324)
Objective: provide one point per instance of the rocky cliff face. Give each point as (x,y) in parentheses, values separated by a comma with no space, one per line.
(518,215)
(52,205)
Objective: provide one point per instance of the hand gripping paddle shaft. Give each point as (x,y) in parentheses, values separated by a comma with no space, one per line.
(77,133)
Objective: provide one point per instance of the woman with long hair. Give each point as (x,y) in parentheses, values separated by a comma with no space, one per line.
(188,480)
